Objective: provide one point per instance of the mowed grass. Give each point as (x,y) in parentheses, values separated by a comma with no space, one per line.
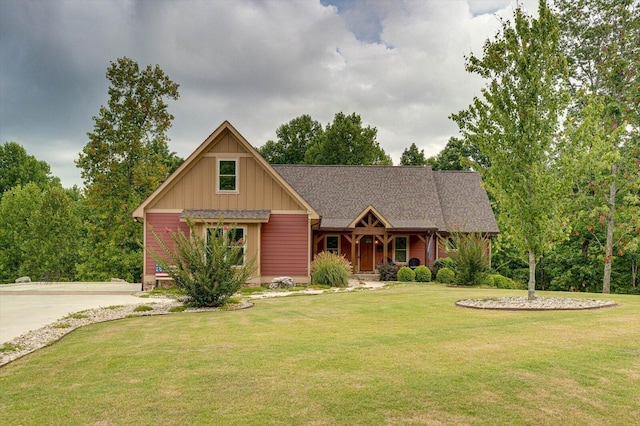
(399,356)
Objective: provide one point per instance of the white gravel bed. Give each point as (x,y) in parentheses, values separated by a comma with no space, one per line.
(539,303)
(51,333)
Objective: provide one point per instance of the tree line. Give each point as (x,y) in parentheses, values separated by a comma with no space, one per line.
(554,134)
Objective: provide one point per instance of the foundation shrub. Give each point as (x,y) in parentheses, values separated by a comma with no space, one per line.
(423,274)
(330,269)
(446,276)
(470,256)
(208,269)
(388,272)
(406,274)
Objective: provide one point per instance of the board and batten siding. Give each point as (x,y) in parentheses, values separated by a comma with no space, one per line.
(161,224)
(285,246)
(196,188)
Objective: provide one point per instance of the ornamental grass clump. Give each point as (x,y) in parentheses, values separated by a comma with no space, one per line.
(406,274)
(330,269)
(470,254)
(209,268)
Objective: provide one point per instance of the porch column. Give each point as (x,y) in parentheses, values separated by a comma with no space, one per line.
(385,247)
(354,262)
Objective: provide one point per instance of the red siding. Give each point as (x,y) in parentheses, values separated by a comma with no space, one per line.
(417,249)
(285,245)
(161,224)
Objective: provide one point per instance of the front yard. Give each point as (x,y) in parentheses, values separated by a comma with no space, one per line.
(403,355)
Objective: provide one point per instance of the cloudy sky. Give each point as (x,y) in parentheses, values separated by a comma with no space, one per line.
(258,64)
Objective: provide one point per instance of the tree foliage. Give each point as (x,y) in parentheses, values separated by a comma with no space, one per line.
(294,138)
(515,125)
(602,40)
(209,269)
(126,158)
(19,168)
(412,156)
(40,232)
(344,141)
(458,154)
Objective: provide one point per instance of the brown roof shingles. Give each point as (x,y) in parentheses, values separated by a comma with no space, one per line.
(407,197)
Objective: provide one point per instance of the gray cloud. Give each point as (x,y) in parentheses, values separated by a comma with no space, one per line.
(400,65)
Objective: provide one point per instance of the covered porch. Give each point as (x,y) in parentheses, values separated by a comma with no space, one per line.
(370,241)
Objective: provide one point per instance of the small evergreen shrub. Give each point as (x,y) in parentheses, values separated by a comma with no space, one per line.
(142,308)
(180,308)
(406,274)
(446,276)
(500,281)
(330,269)
(423,274)
(388,272)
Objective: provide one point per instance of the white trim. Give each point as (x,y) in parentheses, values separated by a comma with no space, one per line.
(237,176)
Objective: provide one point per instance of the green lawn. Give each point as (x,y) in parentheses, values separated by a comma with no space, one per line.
(404,355)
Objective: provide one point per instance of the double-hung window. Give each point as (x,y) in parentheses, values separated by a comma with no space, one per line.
(400,249)
(227,175)
(237,242)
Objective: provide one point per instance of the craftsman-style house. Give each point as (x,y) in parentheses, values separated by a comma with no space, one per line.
(285,214)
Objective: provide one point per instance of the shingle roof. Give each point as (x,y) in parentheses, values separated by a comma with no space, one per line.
(464,202)
(406,197)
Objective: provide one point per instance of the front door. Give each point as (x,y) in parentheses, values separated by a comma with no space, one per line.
(366,254)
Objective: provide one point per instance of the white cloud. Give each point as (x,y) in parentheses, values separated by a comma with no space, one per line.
(400,65)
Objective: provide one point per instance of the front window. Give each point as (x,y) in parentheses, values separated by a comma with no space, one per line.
(400,249)
(332,244)
(236,240)
(227,176)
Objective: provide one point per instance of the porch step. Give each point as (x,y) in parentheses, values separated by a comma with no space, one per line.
(366,277)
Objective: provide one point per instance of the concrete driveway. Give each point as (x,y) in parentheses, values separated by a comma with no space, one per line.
(26,307)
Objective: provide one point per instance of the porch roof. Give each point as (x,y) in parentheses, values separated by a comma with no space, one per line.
(227,215)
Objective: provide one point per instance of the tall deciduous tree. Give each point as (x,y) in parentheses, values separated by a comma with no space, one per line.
(345,141)
(19,168)
(126,158)
(413,157)
(458,154)
(294,138)
(602,40)
(515,125)
(40,232)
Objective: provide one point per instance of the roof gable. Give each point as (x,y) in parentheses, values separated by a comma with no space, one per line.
(224,141)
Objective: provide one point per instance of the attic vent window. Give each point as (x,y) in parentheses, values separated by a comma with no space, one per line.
(227,176)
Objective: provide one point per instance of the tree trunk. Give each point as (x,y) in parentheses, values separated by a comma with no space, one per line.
(532,275)
(608,250)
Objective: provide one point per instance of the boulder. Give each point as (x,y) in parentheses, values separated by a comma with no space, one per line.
(23,280)
(282,282)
